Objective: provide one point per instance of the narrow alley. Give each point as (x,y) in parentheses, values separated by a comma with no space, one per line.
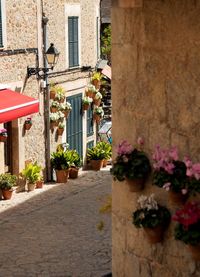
(52,232)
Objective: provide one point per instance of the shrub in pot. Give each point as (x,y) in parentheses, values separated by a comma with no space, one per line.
(31,173)
(60,163)
(75,163)
(7,181)
(95,156)
(107,148)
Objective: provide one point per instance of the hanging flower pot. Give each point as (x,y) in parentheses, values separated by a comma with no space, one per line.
(177,197)
(154,235)
(97,102)
(60,131)
(97,118)
(28,123)
(52,95)
(3,135)
(135,185)
(86,106)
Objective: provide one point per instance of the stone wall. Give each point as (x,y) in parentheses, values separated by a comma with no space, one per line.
(155,95)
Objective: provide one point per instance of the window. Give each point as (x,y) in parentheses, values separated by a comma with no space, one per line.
(73,41)
(90,130)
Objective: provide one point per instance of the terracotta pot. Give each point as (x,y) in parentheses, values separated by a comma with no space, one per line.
(73,172)
(135,185)
(97,102)
(177,198)
(86,107)
(53,109)
(96,164)
(39,184)
(97,118)
(3,138)
(52,95)
(154,235)
(105,162)
(62,175)
(53,124)
(96,83)
(27,126)
(60,131)
(7,194)
(31,187)
(60,100)
(66,113)
(195,251)
(89,94)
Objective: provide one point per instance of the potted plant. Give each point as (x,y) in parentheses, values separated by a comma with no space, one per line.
(7,181)
(52,90)
(40,182)
(3,135)
(152,217)
(193,176)
(98,114)
(54,119)
(60,164)
(107,148)
(95,156)
(132,165)
(31,173)
(65,108)
(61,127)
(97,98)
(54,106)
(96,79)
(75,163)
(60,94)
(28,123)
(90,90)
(86,102)
(188,227)
(170,174)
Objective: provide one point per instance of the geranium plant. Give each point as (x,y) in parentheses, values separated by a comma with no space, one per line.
(3,132)
(193,174)
(169,171)
(150,214)
(130,163)
(188,228)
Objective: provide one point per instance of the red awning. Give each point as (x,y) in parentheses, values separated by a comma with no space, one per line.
(14,105)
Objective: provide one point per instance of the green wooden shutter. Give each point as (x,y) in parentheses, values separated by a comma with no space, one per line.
(1,29)
(90,130)
(73,41)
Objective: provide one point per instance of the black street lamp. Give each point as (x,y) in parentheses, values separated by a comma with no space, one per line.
(51,56)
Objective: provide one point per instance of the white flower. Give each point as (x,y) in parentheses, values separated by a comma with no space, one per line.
(98,95)
(54,116)
(148,203)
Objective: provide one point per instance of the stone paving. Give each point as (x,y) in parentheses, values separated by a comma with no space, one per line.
(52,232)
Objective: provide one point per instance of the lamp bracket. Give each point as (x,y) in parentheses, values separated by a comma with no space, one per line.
(39,71)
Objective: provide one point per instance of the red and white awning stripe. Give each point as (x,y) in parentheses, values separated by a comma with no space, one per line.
(14,105)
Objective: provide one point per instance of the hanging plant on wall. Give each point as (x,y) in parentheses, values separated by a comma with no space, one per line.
(28,123)
(132,165)
(152,217)
(3,135)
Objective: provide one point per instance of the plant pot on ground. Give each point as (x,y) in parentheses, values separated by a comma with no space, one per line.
(95,156)
(107,148)
(152,217)
(31,173)
(7,181)
(75,163)
(60,164)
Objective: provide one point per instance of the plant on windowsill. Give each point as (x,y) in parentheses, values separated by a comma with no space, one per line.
(31,173)
(54,106)
(60,94)
(7,181)
(60,163)
(97,99)
(65,108)
(132,165)
(3,134)
(96,79)
(28,123)
(86,102)
(90,91)
(188,228)
(61,127)
(98,114)
(170,174)
(152,217)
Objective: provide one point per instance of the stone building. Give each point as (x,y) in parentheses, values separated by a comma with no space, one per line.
(155,95)
(26,28)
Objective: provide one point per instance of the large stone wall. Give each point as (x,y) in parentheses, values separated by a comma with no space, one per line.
(155,95)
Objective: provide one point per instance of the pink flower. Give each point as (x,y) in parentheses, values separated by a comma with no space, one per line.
(166,186)
(189,172)
(173,153)
(140,141)
(187,162)
(124,148)
(196,170)
(184,191)
(169,168)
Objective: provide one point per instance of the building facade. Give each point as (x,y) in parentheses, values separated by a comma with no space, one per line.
(26,28)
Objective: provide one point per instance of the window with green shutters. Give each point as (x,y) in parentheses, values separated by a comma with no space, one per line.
(73,41)
(90,130)
(1,28)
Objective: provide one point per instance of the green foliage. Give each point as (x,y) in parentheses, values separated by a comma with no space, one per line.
(7,181)
(136,166)
(178,179)
(106,147)
(95,153)
(106,43)
(190,235)
(151,218)
(60,160)
(74,158)
(32,172)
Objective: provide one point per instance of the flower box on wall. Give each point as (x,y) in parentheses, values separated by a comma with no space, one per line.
(130,3)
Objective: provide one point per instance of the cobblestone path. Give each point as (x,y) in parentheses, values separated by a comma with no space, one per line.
(52,232)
